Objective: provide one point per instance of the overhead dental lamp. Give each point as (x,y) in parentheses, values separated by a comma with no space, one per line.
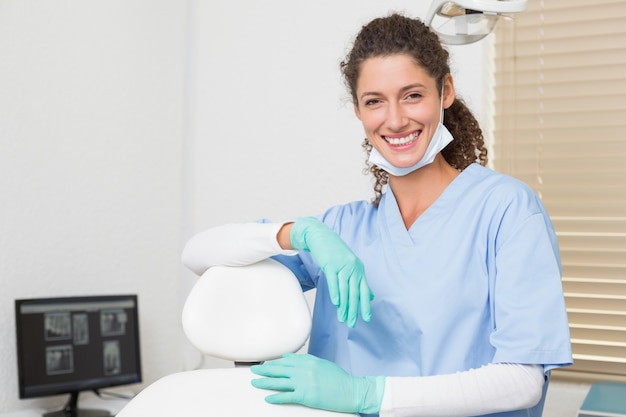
(460,22)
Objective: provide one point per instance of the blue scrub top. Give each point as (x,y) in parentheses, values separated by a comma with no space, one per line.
(475,280)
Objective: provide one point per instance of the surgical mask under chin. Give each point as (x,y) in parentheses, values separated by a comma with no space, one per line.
(440,140)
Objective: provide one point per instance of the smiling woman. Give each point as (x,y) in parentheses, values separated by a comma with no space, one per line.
(386,84)
(440,297)
(402,118)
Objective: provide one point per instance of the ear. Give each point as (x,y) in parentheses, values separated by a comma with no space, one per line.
(357,112)
(449,95)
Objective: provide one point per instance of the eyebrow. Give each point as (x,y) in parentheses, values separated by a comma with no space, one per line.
(402,90)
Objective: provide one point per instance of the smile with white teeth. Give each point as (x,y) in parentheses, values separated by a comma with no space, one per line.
(402,141)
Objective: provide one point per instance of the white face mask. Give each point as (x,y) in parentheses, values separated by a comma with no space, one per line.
(441,138)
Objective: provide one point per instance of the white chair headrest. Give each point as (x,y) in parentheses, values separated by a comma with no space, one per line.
(247,314)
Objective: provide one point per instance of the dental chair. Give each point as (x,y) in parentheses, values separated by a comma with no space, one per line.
(246,315)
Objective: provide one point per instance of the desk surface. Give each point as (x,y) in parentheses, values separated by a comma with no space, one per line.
(85,400)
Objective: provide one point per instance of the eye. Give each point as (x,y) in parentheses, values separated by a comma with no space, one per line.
(413,96)
(371,102)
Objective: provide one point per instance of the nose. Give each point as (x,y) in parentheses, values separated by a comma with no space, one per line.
(396,120)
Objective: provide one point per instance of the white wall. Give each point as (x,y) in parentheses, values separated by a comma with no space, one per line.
(91,139)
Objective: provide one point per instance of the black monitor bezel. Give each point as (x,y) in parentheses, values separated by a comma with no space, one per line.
(78,385)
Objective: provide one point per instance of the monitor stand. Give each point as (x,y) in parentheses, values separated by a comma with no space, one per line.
(71,410)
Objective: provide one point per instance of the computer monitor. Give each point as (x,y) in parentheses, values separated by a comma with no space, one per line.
(73,344)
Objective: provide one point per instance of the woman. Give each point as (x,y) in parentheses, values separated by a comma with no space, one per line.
(468,316)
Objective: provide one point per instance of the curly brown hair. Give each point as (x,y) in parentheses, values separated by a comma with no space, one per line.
(398,34)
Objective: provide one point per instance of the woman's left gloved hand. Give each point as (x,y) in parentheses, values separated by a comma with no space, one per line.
(307,380)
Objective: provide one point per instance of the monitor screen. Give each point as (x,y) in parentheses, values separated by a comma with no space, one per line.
(73,344)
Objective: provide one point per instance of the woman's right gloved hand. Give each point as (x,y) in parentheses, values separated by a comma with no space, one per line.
(344,272)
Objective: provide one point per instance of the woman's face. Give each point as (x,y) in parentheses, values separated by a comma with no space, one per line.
(399,106)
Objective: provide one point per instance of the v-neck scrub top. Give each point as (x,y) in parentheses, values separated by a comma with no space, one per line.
(475,280)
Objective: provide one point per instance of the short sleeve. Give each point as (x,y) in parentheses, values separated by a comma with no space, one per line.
(530,320)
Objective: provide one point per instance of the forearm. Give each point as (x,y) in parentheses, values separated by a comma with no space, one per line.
(490,389)
(233,245)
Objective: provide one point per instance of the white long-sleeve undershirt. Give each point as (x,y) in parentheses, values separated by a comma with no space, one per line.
(232,245)
(490,389)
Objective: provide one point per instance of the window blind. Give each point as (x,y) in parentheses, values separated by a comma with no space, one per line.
(560,126)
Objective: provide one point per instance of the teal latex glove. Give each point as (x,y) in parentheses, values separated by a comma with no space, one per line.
(318,383)
(344,272)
